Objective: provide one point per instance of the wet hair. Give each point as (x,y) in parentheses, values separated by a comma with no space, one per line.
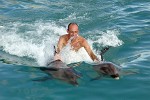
(72,24)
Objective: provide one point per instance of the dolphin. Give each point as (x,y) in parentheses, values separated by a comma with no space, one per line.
(59,70)
(107,68)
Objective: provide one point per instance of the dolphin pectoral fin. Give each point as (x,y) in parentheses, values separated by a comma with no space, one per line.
(41,79)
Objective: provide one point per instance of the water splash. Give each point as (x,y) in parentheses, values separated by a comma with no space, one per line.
(36,41)
(70,56)
(30,40)
(109,38)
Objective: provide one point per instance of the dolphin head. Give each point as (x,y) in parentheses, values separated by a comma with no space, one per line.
(107,69)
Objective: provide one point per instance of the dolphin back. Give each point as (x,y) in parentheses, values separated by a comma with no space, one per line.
(57,64)
(59,70)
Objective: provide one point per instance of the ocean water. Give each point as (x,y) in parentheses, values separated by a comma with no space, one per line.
(30,28)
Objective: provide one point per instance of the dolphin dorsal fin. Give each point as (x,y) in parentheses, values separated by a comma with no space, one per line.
(103,51)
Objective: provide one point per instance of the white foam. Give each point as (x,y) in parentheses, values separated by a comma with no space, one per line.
(109,38)
(36,40)
(70,56)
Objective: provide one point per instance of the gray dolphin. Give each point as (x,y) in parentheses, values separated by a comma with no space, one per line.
(107,68)
(59,70)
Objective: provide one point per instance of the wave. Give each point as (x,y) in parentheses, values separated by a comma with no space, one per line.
(36,40)
(30,40)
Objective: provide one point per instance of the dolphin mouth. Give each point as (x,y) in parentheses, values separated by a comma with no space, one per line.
(116,76)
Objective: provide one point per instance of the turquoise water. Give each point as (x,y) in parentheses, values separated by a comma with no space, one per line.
(30,28)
